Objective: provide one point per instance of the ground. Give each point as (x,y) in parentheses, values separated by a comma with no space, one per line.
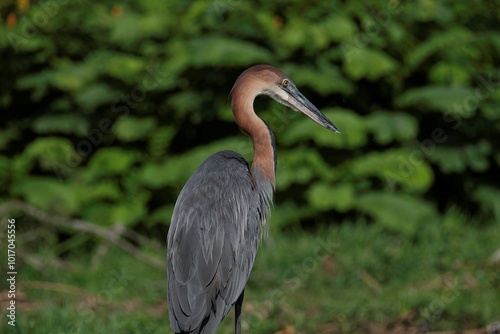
(353,278)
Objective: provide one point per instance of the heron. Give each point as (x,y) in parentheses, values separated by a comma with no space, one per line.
(221,212)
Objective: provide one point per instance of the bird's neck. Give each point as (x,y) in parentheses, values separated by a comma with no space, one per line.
(264,158)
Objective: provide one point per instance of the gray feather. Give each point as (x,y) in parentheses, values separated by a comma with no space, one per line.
(218,220)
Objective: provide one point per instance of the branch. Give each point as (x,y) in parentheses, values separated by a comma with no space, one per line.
(81,226)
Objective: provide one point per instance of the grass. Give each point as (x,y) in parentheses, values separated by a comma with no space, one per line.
(354,278)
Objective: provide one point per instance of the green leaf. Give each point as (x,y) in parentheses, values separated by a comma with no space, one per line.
(112,160)
(449,160)
(457,159)
(446,73)
(49,195)
(223,51)
(397,166)
(69,77)
(127,213)
(389,126)
(92,193)
(99,213)
(185,103)
(367,63)
(65,123)
(397,212)
(325,80)
(52,153)
(95,95)
(340,197)
(21,165)
(299,166)
(318,36)
(132,27)
(133,128)
(339,27)
(442,41)
(441,98)
(106,214)
(295,34)
(122,66)
(160,140)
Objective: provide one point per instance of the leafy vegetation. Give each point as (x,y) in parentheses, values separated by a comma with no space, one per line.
(125,100)
(107,108)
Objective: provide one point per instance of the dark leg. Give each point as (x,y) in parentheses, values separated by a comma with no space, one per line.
(237,312)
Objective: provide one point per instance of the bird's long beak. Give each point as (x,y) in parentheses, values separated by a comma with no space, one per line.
(300,103)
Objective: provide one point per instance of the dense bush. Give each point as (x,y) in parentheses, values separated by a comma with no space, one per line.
(108,108)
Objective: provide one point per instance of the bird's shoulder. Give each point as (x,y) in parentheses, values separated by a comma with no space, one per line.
(229,161)
(225,171)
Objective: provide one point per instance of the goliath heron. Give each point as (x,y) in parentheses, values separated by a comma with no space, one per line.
(221,211)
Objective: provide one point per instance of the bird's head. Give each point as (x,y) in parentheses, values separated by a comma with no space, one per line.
(268,80)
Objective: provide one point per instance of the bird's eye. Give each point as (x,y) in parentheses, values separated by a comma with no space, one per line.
(285,83)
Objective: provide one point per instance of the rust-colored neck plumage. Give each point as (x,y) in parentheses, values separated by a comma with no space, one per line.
(246,88)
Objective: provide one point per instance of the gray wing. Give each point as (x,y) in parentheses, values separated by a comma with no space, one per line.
(212,243)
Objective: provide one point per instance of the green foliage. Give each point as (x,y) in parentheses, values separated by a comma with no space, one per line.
(489,199)
(66,124)
(133,128)
(109,108)
(393,166)
(388,126)
(48,151)
(49,194)
(440,98)
(340,197)
(366,63)
(111,161)
(397,212)
(223,51)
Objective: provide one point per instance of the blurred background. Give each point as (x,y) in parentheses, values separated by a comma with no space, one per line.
(392,226)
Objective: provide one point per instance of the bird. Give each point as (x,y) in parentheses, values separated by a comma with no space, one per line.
(221,212)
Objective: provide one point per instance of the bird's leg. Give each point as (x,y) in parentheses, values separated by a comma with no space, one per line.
(237,312)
